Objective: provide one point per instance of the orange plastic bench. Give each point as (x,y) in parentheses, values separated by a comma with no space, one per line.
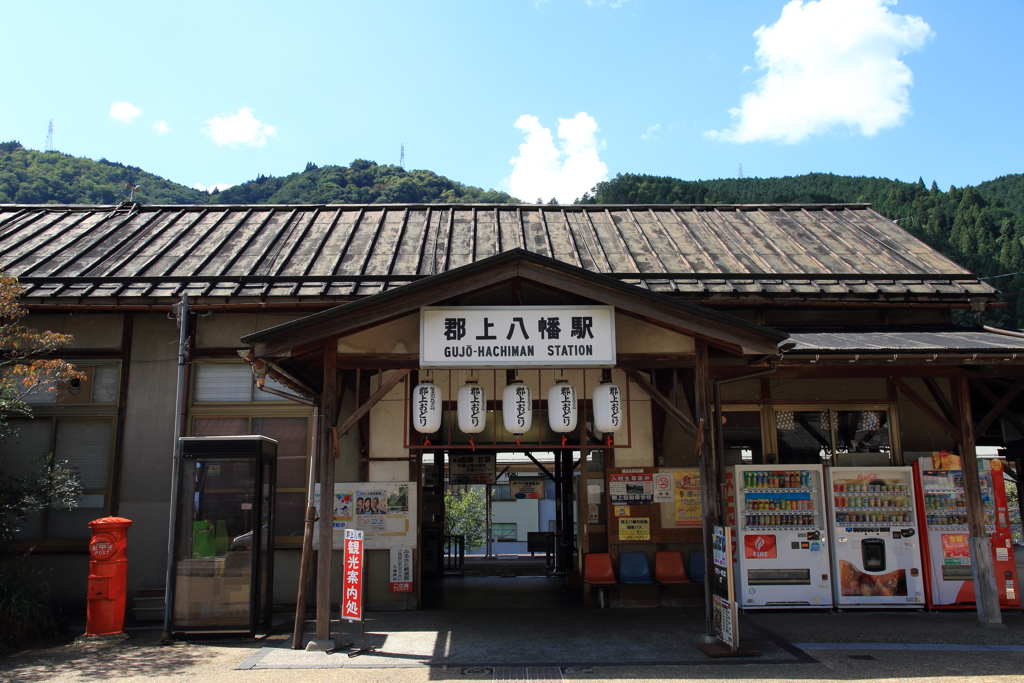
(597,569)
(668,567)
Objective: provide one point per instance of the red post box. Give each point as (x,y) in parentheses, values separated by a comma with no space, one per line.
(108,576)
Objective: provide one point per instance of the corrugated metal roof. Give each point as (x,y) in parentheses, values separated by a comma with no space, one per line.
(905,341)
(696,252)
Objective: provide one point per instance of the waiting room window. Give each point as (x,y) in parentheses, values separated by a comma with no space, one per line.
(811,435)
(504,531)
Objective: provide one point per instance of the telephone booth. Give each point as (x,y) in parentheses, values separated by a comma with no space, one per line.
(224,535)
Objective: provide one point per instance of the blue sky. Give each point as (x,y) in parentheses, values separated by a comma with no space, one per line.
(572,90)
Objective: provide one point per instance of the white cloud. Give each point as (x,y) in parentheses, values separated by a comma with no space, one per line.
(614,4)
(211,188)
(126,112)
(160,126)
(830,63)
(565,171)
(650,134)
(241,128)
(746,68)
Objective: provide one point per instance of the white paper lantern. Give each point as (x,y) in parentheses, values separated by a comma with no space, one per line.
(517,408)
(426,408)
(607,405)
(472,408)
(562,407)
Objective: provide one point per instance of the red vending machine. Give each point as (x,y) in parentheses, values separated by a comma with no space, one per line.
(942,509)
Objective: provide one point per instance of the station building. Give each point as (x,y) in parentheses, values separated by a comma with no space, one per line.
(830,313)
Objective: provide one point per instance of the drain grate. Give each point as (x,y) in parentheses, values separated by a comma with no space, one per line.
(532,674)
(863,658)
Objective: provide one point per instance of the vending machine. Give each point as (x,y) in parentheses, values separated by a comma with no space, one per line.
(876,548)
(942,507)
(782,538)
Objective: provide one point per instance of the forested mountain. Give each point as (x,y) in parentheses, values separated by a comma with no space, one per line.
(31,177)
(981,227)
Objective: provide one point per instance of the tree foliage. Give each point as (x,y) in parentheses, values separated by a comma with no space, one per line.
(31,177)
(981,228)
(361,182)
(465,514)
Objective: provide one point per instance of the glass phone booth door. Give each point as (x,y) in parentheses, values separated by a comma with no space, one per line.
(224,535)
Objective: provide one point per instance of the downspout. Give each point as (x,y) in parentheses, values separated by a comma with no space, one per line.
(720,430)
(175,465)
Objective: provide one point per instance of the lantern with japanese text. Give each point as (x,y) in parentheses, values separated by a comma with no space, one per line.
(607,406)
(472,408)
(517,408)
(426,408)
(562,407)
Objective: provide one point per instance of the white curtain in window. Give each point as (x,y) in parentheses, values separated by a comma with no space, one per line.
(223,383)
(86,445)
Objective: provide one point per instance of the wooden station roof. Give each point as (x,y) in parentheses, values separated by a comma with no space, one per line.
(701,253)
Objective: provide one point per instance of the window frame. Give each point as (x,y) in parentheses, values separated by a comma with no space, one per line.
(77,410)
(770,435)
(254,409)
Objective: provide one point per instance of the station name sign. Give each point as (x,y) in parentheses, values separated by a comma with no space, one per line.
(517,336)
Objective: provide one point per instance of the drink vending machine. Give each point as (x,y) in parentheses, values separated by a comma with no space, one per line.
(782,540)
(943,511)
(875,545)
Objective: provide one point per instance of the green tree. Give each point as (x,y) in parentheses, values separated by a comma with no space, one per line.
(465,514)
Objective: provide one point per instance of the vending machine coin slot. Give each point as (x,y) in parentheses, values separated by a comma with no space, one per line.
(873,553)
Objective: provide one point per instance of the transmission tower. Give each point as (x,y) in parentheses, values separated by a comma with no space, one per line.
(401,161)
(740,174)
(49,138)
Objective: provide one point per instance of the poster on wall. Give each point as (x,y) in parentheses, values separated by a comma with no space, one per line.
(634,529)
(384,511)
(521,489)
(681,505)
(629,487)
(471,468)
(401,570)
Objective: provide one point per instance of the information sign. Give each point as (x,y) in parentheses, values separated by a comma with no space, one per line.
(401,570)
(634,529)
(517,336)
(724,608)
(625,488)
(520,488)
(352,576)
(471,468)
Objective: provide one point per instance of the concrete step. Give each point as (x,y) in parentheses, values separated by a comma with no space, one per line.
(149,604)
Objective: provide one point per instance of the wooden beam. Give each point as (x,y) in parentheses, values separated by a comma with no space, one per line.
(666,405)
(362,410)
(983,569)
(999,407)
(708,476)
(927,409)
(992,398)
(940,398)
(328,408)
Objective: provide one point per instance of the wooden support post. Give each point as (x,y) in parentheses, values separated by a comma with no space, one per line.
(665,404)
(708,474)
(982,565)
(328,409)
(927,409)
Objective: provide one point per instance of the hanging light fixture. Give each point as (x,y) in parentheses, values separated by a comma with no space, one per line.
(517,408)
(607,405)
(562,411)
(472,407)
(426,407)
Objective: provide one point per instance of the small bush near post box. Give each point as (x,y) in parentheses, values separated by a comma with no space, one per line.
(27,613)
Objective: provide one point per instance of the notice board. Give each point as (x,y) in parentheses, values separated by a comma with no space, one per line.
(385,511)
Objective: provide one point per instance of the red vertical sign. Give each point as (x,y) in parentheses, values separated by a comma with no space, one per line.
(352,581)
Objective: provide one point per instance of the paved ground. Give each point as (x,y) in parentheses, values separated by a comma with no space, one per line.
(518,635)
